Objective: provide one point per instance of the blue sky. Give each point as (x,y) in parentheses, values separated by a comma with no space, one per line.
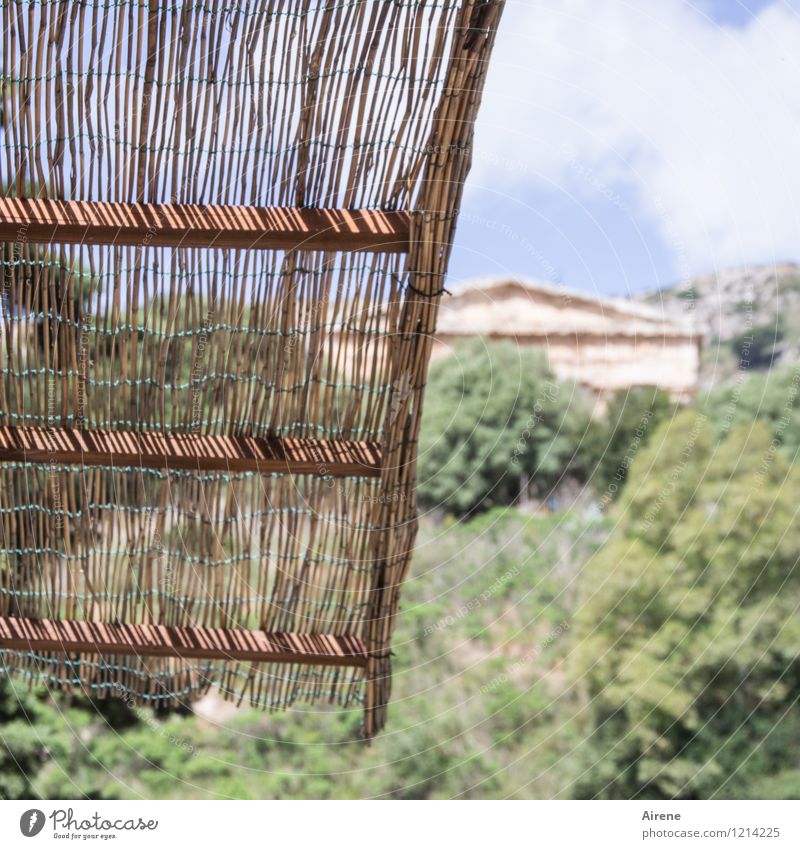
(629,144)
(731,12)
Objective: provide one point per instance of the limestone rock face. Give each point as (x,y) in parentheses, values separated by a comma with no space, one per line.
(733,305)
(606,344)
(727,301)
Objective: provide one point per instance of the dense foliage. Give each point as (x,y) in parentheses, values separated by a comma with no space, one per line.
(651,652)
(772,398)
(688,636)
(479,634)
(498,428)
(33,733)
(630,420)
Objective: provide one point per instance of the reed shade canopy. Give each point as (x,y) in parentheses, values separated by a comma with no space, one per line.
(224,233)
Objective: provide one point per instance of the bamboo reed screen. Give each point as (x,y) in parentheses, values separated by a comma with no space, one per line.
(185,409)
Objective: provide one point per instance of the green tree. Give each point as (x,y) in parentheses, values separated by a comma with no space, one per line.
(497,427)
(32,734)
(687,641)
(755,347)
(773,398)
(630,420)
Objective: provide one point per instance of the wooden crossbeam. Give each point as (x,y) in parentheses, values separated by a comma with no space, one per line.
(78,637)
(189,451)
(202,226)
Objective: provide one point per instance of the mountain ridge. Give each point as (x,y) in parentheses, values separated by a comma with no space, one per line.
(748,317)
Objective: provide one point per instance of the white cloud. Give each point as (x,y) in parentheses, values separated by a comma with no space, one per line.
(702,120)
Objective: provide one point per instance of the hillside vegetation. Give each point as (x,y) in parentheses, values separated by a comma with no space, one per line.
(643,643)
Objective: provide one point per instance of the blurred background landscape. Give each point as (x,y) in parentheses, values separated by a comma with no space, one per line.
(603,603)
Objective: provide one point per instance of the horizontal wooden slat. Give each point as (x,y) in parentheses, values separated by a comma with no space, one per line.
(189,451)
(202,226)
(73,637)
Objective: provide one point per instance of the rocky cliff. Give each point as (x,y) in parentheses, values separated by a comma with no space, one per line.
(748,317)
